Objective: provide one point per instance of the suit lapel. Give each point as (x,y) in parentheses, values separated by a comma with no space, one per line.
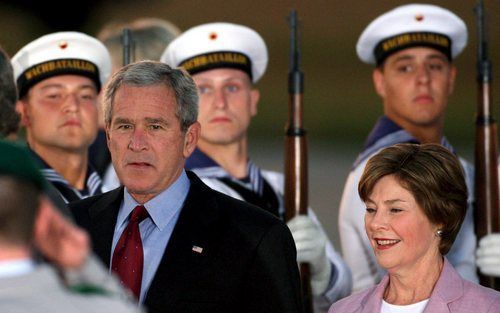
(195,229)
(103,215)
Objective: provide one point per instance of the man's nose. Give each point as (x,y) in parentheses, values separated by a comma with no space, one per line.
(220,100)
(71,103)
(423,74)
(138,140)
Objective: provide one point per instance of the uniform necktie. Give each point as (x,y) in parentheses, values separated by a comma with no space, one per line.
(128,257)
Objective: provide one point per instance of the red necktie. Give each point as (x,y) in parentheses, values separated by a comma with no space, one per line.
(128,257)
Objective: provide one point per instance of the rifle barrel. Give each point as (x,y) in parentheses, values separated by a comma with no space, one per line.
(127,44)
(487,210)
(295,197)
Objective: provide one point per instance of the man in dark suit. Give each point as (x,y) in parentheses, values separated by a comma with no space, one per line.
(193,249)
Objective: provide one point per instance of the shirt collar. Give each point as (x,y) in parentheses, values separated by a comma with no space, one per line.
(163,207)
(16,267)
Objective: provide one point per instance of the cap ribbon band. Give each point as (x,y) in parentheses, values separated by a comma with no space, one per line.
(399,42)
(41,71)
(218,59)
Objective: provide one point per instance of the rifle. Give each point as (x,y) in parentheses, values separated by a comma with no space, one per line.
(487,215)
(128,46)
(295,196)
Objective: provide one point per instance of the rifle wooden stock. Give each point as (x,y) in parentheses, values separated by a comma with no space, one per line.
(296,184)
(487,216)
(295,161)
(486,213)
(295,196)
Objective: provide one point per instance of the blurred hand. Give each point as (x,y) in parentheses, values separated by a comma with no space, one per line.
(61,242)
(488,255)
(310,241)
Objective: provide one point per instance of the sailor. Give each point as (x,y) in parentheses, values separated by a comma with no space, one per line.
(412,49)
(59,77)
(226,61)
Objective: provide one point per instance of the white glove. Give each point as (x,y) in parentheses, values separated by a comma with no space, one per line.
(310,241)
(488,255)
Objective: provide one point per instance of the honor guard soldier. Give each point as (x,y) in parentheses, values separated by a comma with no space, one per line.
(412,48)
(226,61)
(59,77)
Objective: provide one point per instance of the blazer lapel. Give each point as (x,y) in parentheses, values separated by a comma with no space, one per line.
(103,214)
(437,306)
(187,249)
(448,288)
(372,302)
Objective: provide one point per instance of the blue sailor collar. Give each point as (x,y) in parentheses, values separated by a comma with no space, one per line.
(386,133)
(93,182)
(199,159)
(205,167)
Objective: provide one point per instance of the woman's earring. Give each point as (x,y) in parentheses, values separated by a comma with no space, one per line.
(439,233)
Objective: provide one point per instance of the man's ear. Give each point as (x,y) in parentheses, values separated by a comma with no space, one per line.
(22,110)
(191,138)
(379,82)
(254,100)
(106,130)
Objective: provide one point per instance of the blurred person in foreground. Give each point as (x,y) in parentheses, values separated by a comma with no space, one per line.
(150,37)
(58,77)
(73,281)
(177,244)
(226,60)
(412,47)
(416,199)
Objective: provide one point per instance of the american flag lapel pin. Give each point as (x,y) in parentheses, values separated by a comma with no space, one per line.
(197,249)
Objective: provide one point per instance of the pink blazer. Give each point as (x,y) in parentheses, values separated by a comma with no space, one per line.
(452,294)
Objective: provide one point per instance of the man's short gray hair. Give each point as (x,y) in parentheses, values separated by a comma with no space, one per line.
(149,73)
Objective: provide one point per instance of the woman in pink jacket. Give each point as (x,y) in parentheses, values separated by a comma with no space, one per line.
(416,200)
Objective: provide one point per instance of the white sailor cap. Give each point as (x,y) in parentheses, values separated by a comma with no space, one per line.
(412,25)
(58,54)
(217,45)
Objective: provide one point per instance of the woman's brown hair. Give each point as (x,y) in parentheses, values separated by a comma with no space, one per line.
(432,174)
